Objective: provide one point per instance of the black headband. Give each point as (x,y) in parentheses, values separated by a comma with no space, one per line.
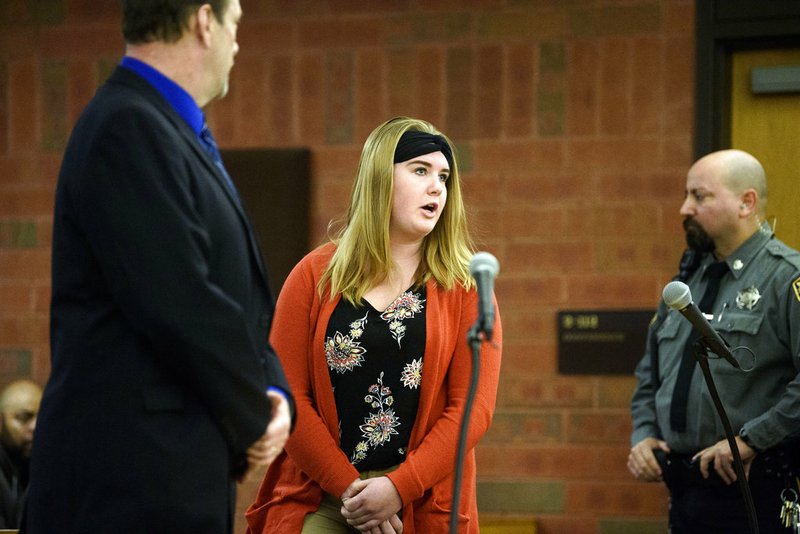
(413,144)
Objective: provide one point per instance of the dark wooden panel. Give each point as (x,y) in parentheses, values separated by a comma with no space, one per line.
(781,11)
(274,185)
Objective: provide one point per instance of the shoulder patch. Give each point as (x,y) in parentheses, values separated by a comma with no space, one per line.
(796,287)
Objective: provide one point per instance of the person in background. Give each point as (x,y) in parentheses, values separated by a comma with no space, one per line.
(748,282)
(19,406)
(164,390)
(372,330)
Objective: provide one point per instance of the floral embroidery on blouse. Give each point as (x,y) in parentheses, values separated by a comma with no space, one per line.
(412,374)
(404,307)
(379,427)
(375,362)
(343,353)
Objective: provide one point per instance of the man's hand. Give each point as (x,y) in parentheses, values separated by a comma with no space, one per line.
(280,425)
(642,462)
(720,453)
(370,504)
(264,451)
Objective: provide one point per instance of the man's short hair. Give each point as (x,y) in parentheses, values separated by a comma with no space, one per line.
(145,21)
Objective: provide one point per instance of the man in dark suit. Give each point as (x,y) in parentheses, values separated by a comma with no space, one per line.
(164,389)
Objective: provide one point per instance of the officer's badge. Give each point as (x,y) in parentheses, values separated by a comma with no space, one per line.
(748,298)
(796,287)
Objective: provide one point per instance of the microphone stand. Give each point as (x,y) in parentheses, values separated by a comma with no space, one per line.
(701,348)
(474,340)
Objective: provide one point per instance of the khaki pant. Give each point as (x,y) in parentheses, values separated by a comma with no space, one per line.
(328,517)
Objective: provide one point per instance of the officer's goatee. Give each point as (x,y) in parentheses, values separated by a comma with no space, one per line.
(696,236)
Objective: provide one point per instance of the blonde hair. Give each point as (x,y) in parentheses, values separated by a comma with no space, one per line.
(362,258)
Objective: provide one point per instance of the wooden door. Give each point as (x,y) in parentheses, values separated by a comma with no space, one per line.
(768,126)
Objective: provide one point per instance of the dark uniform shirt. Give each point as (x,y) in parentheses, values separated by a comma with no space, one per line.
(758,307)
(13,487)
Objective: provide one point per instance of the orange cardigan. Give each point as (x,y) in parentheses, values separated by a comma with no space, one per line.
(313,463)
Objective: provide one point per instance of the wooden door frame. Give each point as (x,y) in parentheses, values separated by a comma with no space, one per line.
(723,27)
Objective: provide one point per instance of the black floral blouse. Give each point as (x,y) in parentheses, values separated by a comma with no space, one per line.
(375,364)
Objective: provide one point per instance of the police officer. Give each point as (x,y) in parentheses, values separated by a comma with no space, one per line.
(757,305)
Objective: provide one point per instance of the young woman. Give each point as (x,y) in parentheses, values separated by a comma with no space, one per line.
(372,331)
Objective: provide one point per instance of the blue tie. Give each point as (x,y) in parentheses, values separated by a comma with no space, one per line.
(210,146)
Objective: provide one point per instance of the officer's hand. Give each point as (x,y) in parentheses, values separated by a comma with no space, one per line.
(720,453)
(642,462)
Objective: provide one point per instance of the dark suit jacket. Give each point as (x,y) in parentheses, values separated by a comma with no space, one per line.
(159,329)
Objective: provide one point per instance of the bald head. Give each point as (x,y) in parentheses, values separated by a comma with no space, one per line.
(19,407)
(739,171)
(19,392)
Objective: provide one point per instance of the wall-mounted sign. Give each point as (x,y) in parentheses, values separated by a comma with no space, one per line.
(601,342)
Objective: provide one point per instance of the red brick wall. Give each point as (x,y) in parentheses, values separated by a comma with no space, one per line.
(573,122)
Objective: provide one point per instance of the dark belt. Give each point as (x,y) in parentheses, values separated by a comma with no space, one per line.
(681,472)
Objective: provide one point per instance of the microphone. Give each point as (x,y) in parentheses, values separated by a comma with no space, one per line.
(484,268)
(678,297)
